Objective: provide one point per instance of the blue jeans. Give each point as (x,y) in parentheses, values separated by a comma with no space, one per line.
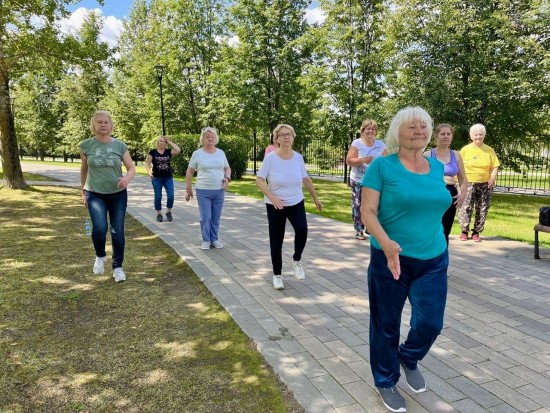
(168,184)
(210,209)
(424,283)
(98,206)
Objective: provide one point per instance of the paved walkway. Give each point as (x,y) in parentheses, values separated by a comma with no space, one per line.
(492,356)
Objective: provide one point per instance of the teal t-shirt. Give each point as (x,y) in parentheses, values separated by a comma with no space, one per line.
(411,205)
(104,165)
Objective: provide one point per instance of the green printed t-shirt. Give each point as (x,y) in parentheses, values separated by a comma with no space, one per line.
(411,205)
(104,165)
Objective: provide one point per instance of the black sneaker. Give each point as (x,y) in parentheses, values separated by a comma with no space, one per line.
(159,218)
(169,216)
(414,379)
(392,399)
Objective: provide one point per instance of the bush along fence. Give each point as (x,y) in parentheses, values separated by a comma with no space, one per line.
(525,168)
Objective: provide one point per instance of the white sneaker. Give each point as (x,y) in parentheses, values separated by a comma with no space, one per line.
(298,270)
(99,265)
(216,244)
(119,275)
(205,245)
(278,282)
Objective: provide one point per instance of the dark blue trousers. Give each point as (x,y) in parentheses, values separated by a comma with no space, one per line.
(424,283)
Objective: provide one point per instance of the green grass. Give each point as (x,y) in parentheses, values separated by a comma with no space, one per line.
(30,177)
(71,341)
(510,216)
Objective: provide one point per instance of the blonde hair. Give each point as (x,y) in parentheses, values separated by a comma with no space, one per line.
(208,129)
(368,122)
(100,113)
(408,114)
(279,127)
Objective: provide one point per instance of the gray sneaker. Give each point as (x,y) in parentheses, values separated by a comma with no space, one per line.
(392,399)
(414,379)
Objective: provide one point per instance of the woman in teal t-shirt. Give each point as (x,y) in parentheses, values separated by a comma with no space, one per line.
(104,190)
(403,199)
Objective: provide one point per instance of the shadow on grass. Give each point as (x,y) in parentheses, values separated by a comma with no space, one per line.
(73,341)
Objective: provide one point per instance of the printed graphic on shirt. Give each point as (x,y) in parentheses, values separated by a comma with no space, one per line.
(163,163)
(105,156)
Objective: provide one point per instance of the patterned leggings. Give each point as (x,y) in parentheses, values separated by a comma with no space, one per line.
(356,205)
(478,197)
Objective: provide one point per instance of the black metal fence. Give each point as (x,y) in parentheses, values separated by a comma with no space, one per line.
(523,170)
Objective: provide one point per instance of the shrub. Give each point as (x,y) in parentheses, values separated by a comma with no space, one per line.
(235,148)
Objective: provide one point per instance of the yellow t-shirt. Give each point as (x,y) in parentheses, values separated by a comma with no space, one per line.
(479,161)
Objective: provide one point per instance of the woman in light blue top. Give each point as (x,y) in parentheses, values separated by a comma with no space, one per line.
(403,200)
(213,176)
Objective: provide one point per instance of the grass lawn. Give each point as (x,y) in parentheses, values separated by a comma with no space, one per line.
(72,341)
(510,216)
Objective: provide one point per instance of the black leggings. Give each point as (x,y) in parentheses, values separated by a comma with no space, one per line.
(276,218)
(449,215)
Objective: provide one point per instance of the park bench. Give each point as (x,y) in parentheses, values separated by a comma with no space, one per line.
(539,228)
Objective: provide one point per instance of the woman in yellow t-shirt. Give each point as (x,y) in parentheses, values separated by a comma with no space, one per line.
(481,165)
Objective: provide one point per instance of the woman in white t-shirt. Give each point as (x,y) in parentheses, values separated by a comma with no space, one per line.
(213,176)
(280,179)
(360,155)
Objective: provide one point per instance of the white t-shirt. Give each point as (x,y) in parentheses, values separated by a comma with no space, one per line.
(210,168)
(284,177)
(363,150)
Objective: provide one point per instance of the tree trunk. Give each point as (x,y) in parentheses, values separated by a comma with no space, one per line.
(11,165)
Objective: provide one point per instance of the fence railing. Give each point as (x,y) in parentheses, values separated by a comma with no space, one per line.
(523,170)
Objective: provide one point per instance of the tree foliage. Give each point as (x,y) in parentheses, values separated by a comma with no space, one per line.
(30,42)
(245,66)
(475,62)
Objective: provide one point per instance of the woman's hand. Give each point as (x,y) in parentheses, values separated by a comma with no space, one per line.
(318,204)
(225,183)
(123,182)
(368,159)
(84,199)
(392,250)
(188,194)
(459,199)
(277,202)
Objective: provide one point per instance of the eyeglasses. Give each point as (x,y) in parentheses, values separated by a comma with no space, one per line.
(284,135)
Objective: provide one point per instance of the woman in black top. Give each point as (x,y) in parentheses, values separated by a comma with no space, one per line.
(161,174)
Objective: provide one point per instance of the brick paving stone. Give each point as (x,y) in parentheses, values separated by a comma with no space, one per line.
(468,406)
(511,396)
(501,374)
(475,392)
(503,408)
(333,391)
(339,370)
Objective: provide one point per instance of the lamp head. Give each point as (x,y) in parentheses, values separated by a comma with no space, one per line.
(160,70)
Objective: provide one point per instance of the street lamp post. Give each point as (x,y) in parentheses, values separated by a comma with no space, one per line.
(160,70)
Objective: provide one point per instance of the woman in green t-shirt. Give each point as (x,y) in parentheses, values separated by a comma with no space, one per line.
(104,189)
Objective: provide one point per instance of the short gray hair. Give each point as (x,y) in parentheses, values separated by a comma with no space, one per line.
(208,129)
(405,115)
(478,126)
